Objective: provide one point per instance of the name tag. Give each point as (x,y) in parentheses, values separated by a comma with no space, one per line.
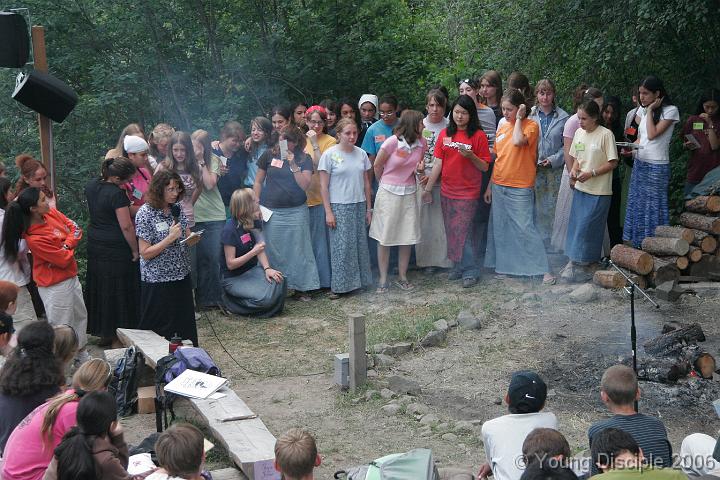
(223,160)
(447,141)
(630,131)
(579,147)
(379,138)
(427,133)
(276,162)
(137,194)
(162,226)
(245,238)
(402,153)
(698,125)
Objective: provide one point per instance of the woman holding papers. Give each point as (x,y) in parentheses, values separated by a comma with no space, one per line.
(166,300)
(284,174)
(701,135)
(250,286)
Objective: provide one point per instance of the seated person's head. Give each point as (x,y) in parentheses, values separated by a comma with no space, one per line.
(66,343)
(181,451)
(526,393)
(8,297)
(296,455)
(6,329)
(543,444)
(31,367)
(613,448)
(548,470)
(619,386)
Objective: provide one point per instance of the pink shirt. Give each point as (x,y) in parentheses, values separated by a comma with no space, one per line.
(26,455)
(137,187)
(571,126)
(402,161)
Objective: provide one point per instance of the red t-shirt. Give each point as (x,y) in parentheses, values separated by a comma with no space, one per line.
(704,158)
(461,179)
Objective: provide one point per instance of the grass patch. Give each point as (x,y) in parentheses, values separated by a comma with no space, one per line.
(409,323)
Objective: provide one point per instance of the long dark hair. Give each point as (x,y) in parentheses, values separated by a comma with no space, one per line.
(655,85)
(95,414)
(120,167)
(615,123)
(708,95)
(5,186)
(32,367)
(17,220)
(468,104)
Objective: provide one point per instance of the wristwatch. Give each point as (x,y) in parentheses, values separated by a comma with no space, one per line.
(296,170)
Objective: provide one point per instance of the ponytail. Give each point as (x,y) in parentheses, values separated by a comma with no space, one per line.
(75,457)
(17,220)
(117,167)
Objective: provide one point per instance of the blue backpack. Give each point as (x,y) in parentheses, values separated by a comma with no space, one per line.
(168,368)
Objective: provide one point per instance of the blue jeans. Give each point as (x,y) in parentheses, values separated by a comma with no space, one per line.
(208,290)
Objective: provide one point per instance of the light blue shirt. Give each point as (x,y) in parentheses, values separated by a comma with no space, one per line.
(375,136)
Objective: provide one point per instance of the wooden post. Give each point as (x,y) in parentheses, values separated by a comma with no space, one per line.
(46,139)
(358,357)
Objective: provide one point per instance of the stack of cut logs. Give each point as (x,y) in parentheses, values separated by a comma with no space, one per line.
(688,251)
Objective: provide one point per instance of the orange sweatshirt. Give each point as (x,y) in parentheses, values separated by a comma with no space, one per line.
(53,248)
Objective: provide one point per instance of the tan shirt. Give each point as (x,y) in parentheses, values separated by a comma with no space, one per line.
(593,150)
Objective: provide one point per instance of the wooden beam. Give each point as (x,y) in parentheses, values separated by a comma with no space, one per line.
(358,355)
(44,123)
(247,441)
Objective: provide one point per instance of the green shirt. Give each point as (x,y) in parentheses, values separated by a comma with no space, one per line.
(642,474)
(209,206)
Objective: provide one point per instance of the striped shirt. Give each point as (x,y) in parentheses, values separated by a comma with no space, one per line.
(648,432)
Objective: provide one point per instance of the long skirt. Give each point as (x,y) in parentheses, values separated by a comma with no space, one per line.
(514,245)
(396,219)
(432,250)
(289,248)
(167,309)
(320,239)
(647,202)
(25,312)
(250,294)
(64,305)
(626,174)
(461,220)
(587,225)
(547,185)
(349,257)
(208,290)
(562,212)
(112,295)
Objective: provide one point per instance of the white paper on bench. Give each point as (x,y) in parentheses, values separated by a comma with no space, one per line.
(195,384)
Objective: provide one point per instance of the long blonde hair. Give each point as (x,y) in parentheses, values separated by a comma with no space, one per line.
(242,207)
(92,376)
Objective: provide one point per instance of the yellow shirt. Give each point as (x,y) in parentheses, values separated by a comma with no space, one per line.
(592,150)
(325,141)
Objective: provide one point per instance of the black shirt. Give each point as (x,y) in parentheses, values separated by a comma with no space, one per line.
(281,190)
(105,237)
(235,177)
(243,240)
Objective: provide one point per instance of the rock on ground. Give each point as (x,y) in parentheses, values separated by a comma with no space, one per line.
(404,385)
(434,338)
(584,293)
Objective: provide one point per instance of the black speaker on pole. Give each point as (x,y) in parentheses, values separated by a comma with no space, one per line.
(14,40)
(45,94)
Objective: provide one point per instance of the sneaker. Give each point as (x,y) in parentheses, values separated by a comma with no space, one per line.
(469,282)
(454,275)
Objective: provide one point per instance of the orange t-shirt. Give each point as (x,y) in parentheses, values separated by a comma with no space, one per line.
(516,166)
(52,262)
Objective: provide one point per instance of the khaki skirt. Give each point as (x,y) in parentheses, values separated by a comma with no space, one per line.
(396,219)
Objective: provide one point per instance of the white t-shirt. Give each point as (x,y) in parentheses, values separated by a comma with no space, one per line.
(19,271)
(347,173)
(504,436)
(431,133)
(657,150)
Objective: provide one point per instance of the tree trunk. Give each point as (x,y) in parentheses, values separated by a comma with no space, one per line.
(701,222)
(705,241)
(609,279)
(662,272)
(695,254)
(679,261)
(632,259)
(675,232)
(640,280)
(674,341)
(703,204)
(665,246)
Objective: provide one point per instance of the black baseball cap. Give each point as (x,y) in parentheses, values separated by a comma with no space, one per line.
(6,323)
(527,392)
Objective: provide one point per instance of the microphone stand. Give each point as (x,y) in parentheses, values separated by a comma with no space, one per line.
(633,332)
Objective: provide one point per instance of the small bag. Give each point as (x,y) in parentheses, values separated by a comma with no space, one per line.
(125,381)
(416,464)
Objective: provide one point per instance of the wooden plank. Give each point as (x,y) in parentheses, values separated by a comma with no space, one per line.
(248,442)
(358,347)
(37,34)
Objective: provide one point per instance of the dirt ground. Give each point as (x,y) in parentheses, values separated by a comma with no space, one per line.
(282,367)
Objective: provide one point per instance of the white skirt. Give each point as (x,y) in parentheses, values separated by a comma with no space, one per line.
(395,219)
(64,305)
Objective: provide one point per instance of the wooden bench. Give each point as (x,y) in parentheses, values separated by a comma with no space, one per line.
(248,442)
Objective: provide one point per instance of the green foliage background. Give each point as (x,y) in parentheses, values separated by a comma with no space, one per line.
(198,63)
